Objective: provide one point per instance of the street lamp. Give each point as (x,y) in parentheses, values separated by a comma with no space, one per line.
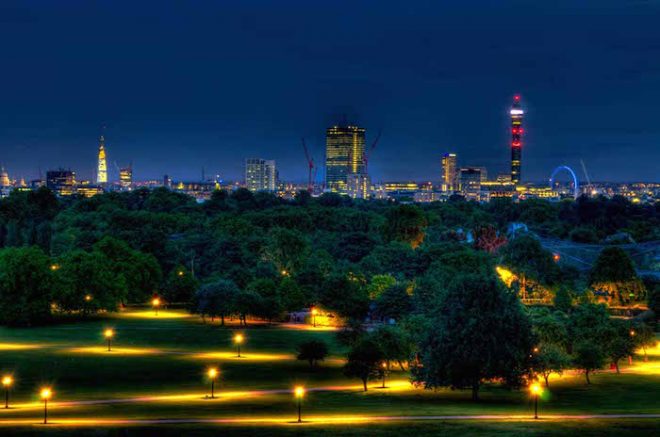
(7,381)
(213,373)
(314,313)
(535,389)
(155,302)
(238,339)
(108,334)
(299,392)
(46,394)
(384,370)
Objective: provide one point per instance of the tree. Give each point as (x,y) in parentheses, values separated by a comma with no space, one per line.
(588,357)
(180,285)
(287,249)
(344,294)
(614,274)
(271,303)
(25,286)
(88,283)
(312,351)
(620,342)
(526,257)
(247,302)
(479,333)
(216,299)
(487,238)
(405,223)
(563,300)
(395,343)
(378,284)
(291,294)
(364,360)
(550,359)
(394,303)
(643,337)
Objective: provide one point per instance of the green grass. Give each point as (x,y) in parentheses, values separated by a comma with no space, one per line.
(174,368)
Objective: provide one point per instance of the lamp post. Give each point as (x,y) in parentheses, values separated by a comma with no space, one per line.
(213,373)
(314,313)
(384,370)
(155,302)
(238,339)
(108,334)
(7,381)
(46,394)
(299,393)
(536,390)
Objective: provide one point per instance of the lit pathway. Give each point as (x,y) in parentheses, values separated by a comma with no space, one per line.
(319,420)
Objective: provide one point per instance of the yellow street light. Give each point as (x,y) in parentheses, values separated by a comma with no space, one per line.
(155,302)
(180,273)
(54,267)
(46,393)
(7,381)
(314,313)
(213,374)
(238,339)
(88,298)
(632,333)
(108,334)
(383,366)
(536,390)
(299,392)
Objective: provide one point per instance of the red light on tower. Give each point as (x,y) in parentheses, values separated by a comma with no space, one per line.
(516,97)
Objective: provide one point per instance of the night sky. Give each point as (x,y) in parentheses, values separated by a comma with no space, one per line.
(189,84)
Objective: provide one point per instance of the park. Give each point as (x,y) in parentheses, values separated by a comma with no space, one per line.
(156,374)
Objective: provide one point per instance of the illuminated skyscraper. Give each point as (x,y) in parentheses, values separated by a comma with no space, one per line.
(516,139)
(344,156)
(102,170)
(61,182)
(260,174)
(126,177)
(449,172)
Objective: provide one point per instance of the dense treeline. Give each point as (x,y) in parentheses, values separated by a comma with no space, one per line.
(449,274)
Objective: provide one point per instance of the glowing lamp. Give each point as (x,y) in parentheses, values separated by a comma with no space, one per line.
(46,393)
(299,391)
(535,389)
(7,380)
(213,372)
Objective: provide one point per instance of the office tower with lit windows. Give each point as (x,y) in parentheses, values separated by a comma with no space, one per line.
(260,174)
(102,169)
(470,179)
(126,177)
(61,182)
(344,156)
(449,172)
(358,186)
(516,139)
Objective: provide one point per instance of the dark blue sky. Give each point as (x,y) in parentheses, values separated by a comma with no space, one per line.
(186,84)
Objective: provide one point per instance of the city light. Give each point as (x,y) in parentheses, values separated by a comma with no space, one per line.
(536,390)
(238,340)
(155,303)
(299,393)
(46,393)
(7,381)
(109,334)
(314,313)
(212,374)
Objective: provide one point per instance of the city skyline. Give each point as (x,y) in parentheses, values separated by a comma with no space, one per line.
(234,83)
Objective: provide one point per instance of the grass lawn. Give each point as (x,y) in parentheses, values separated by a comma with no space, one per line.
(161,360)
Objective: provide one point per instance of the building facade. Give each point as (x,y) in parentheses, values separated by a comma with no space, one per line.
(516,139)
(260,174)
(358,186)
(61,182)
(102,168)
(470,183)
(344,156)
(449,172)
(126,177)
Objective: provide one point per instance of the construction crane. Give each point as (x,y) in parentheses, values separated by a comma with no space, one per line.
(310,167)
(367,153)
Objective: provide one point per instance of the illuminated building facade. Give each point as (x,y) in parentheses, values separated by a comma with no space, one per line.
(470,183)
(4,178)
(102,169)
(449,172)
(516,139)
(344,156)
(126,177)
(61,182)
(260,174)
(358,186)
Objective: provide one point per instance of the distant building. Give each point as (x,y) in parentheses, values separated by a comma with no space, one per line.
(126,177)
(88,190)
(4,178)
(470,182)
(516,139)
(449,172)
(344,156)
(102,170)
(260,174)
(61,182)
(358,186)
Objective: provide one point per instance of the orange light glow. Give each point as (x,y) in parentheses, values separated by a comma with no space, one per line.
(299,391)
(212,372)
(17,346)
(116,351)
(155,302)
(108,333)
(238,338)
(46,393)
(244,357)
(535,389)
(7,380)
